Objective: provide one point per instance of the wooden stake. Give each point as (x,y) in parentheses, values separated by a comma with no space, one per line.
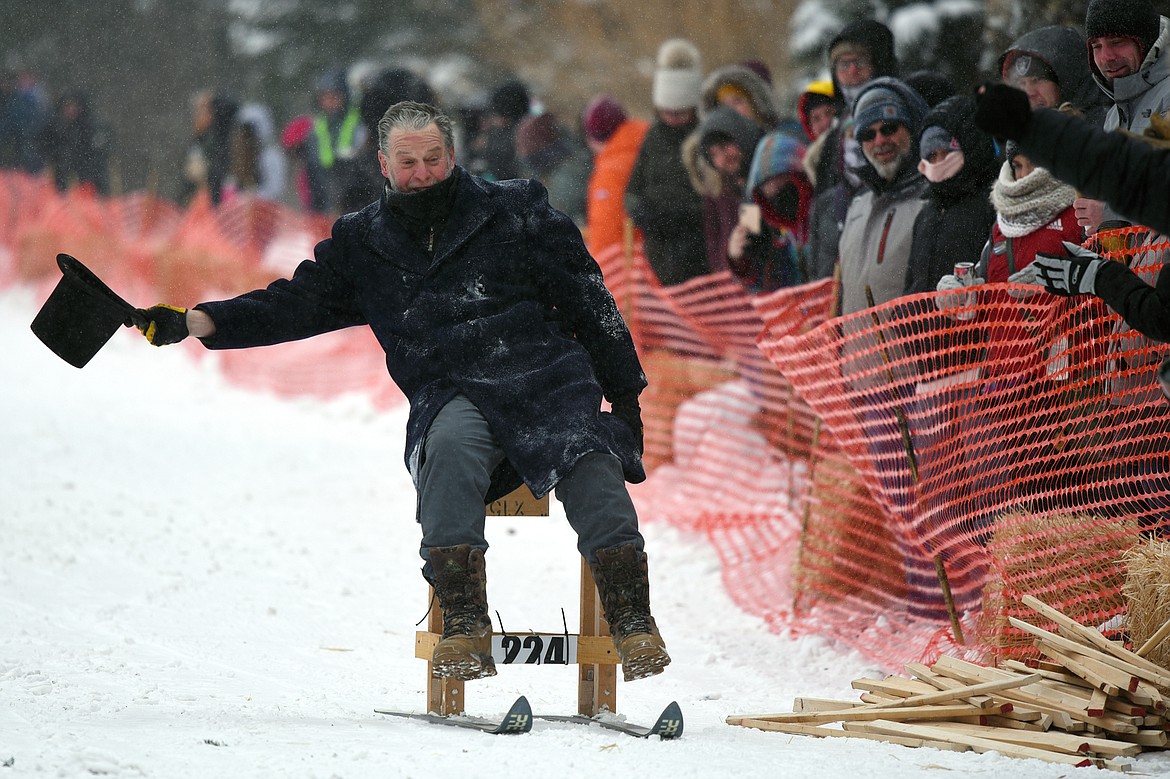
(952,612)
(853,731)
(869,712)
(1094,637)
(1153,641)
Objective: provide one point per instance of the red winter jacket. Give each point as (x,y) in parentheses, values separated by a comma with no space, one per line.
(1009,255)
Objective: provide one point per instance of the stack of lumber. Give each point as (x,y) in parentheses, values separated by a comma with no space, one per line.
(1088,702)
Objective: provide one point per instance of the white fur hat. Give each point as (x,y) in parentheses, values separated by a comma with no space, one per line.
(679,76)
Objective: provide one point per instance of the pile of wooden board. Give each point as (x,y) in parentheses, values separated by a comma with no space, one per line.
(1088,702)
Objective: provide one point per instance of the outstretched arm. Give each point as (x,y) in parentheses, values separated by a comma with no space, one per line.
(1126,172)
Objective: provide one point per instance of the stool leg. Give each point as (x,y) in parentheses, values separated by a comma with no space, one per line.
(596,682)
(444,696)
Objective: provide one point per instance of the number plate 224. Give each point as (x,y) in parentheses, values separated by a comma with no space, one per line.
(535,649)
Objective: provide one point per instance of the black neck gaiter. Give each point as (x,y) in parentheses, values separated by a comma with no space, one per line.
(422,214)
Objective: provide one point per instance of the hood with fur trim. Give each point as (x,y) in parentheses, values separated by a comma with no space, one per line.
(759,94)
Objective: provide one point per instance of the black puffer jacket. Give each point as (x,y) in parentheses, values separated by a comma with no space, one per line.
(956,221)
(1127,173)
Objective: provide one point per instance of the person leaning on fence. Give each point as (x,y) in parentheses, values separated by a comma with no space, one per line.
(1034,214)
(875,251)
(499,330)
(1127,173)
(1101,164)
(876,238)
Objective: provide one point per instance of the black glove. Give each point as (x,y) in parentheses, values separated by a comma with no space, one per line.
(1002,111)
(626,408)
(161,324)
(1074,274)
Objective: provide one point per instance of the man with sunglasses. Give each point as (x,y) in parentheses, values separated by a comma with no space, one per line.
(875,241)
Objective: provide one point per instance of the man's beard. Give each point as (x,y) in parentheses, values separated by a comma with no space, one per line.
(888,170)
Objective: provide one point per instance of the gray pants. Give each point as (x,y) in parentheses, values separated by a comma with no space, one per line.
(460,454)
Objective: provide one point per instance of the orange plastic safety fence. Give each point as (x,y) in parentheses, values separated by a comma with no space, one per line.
(1019,440)
(150,251)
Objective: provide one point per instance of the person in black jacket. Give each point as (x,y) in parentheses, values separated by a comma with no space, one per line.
(499,330)
(659,197)
(1128,173)
(959,160)
(76,146)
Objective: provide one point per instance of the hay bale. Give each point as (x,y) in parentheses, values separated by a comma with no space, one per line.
(1070,561)
(846,547)
(673,378)
(1147,596)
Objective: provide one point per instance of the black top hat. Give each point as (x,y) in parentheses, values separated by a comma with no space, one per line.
(80,315)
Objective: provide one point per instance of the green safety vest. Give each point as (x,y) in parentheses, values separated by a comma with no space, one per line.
(345,133)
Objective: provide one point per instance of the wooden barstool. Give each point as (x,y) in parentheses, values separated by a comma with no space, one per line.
(595,655)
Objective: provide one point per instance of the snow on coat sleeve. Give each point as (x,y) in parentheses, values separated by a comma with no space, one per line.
(317,299)
(571,280)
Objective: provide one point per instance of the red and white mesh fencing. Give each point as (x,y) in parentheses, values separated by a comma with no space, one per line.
(849,471)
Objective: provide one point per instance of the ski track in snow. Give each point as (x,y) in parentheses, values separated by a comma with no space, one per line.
(197,581)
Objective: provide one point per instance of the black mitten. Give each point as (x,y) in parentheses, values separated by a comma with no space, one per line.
(1002,111)
(626,408)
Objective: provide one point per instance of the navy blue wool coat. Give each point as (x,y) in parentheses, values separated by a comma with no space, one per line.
(511,312)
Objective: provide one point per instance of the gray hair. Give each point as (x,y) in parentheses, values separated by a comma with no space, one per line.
(409,115)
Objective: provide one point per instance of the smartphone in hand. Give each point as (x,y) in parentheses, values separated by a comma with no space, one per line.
(749,216)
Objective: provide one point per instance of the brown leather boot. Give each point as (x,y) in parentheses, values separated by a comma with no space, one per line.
(624,586)
(460,582)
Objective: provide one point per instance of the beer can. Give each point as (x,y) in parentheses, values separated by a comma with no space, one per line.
(965,272)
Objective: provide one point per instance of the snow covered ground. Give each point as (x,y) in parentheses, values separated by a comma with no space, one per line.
(197,581)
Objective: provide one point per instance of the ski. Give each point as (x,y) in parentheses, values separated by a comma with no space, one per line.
(517,720)
(668,726)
